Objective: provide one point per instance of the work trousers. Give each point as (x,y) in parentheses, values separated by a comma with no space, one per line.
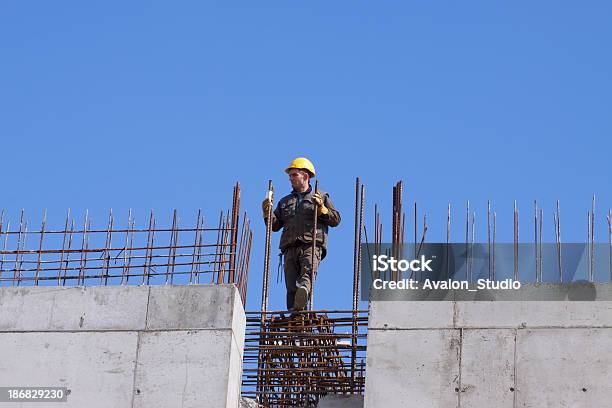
(298,269)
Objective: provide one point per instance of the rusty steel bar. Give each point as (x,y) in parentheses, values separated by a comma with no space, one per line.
(18,247)
(356,239)
(610,238)
(416,226)
(108,243)
(489,236)
(171,243)
(216,271)
(146,257)
(515,237)
(589,246)
(535,237)
(200,245)
(8,227)
(557,222)
(69,247)
(265,283)
(313,273)
(23,245)
(357,268)
(448,233)
(494,236)
(592,239)
(42,235)
(541,253)
(130,248)
(267,247)
(472,252)
(226,225)
(176,241)
(195,245)
(234,232)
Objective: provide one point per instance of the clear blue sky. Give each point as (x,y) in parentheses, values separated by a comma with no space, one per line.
(165,104)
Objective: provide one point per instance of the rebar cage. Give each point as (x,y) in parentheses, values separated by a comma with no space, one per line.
(83,255)
(294,360)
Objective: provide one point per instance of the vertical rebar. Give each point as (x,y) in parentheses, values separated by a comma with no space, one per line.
(267,248)
(355,240)
(199,258)
(86,249)
(195,246)
(176,244)
(535,237)
(224,245)
(541,248)
(467,237)
(357,271)
(489,236)
(593,239)
(472,255)
(494,236)
(170,245)
(217,249)
(6,235)
(18,246)
(108,245)
(152,249)
(234,232)
(124,270)
(516,241)
(40,245)
(261,377)
(415,229)
(610,239)
(313,273)
(59,273)
(589,253)
(68,251)
(448,232)
(557,222)
(23,251)
(83,240)
(147,249)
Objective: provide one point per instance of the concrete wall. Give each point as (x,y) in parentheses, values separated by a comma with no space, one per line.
(489,354)
(125,346)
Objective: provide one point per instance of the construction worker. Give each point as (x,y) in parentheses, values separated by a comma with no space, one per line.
(295,215)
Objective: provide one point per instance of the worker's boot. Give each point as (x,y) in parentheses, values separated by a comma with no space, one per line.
(301,298)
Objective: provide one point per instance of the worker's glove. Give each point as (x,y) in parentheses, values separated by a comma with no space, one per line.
(265,206)
(318,200)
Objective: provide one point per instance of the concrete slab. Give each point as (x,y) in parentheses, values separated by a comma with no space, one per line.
(564,368)
(191,307)
(412,368)
(410,315)
(44,308)
(487,368)
(185,369)
(97,368)
(514,314)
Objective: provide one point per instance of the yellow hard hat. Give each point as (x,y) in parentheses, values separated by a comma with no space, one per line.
(302,163)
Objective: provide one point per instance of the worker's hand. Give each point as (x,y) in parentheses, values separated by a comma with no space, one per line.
(265,207)
(318,200)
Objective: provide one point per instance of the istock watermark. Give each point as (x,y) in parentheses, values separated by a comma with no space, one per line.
(481,271)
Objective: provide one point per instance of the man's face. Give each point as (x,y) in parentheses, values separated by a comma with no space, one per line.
(298,179)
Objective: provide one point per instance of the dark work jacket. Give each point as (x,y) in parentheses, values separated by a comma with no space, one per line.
(295,215)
